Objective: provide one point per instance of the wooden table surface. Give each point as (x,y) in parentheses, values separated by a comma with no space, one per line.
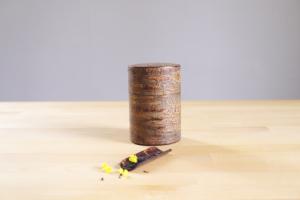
(229,150)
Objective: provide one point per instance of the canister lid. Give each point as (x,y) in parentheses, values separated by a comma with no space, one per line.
(154,65)
(154,79)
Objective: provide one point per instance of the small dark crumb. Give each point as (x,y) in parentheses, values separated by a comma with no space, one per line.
(145,171)
(120,175)
(102,179)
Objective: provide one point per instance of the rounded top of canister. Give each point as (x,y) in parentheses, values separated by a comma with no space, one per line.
(153,65)
(154,79)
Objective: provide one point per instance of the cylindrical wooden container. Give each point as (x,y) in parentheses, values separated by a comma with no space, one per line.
(154,98)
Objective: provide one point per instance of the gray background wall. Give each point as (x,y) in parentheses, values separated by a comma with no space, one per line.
(79,50)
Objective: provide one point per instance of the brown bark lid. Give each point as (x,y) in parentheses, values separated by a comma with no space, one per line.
(154,79)
(143,65)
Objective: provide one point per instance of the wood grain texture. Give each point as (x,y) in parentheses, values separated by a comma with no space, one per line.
(229,150)
(154,98)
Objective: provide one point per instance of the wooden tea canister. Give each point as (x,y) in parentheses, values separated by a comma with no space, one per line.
(154,98)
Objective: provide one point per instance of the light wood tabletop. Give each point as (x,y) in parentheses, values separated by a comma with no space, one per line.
(229,150)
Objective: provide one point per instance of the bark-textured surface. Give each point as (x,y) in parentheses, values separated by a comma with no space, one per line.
(154,90)
(143,157)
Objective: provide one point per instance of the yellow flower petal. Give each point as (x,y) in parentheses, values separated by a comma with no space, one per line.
(133,158)
(108,170)
(104,165)
(120,171)
(125,172)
